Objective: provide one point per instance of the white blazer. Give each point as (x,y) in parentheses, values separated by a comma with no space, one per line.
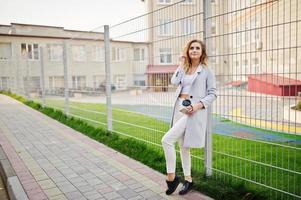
(203,89)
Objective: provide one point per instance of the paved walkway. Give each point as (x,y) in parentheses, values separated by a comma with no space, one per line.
(53,161)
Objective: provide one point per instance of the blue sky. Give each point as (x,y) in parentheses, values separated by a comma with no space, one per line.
(70,14)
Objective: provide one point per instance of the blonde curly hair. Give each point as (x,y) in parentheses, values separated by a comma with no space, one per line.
(187,60)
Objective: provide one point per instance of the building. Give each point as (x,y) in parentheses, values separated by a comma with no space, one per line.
(243,38)
(25,48)
(264,38)
(274,85)
(173,26)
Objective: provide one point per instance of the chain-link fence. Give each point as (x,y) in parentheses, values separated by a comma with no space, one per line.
(123,83)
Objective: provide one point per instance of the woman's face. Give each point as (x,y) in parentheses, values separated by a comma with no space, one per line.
(195,51)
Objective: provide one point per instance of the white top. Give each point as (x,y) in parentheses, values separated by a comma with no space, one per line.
(186,83)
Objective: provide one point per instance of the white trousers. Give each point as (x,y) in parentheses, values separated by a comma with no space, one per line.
(176,134)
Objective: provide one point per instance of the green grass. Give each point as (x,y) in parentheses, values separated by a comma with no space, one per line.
(270,155)
(280,157)
(286,135)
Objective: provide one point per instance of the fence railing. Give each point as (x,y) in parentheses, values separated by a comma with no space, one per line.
(123,83)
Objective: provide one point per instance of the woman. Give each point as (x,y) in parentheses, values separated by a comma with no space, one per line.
(197,83)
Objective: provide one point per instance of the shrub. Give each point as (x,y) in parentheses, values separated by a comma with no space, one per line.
(298,106)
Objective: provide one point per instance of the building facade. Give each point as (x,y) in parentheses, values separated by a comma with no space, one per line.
(243,38)
(25,48)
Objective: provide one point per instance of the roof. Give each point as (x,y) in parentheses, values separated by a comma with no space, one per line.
(275,80)
(57,32)
(235,83)
(161,69)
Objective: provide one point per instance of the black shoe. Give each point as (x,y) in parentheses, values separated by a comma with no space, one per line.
(172,185)
(187,186)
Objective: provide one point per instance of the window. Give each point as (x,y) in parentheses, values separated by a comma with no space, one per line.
(139,82)
(188,26)
(120,82)
(4,83)
(97,53)
(165,55)
(5,51)
(55,52)
(99,81)
(235,4)
(236,40)
(139,54)
(164,27)
(78,82)
(118,54)
(31,83)
(245,37)
(245,66)
(237,68)
(188,2)
(255,66)
(164,1)
(30,51)
(56,82)
(78,53)
(213,58)
(213,28)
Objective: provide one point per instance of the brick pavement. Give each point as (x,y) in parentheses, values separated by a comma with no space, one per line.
(54,161)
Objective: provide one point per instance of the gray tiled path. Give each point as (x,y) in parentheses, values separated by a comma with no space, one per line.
(54,161)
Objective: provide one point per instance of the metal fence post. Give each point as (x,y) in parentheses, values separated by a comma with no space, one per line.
(26,85)
(208,142)
(108,77)
(42,80)
(65,60)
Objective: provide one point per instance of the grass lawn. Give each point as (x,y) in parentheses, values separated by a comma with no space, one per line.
(267,164)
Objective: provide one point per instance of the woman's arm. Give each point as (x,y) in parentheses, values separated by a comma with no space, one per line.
(208,99)
(211,90)
(177,76)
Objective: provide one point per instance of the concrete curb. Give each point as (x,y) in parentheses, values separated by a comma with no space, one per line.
(10,179)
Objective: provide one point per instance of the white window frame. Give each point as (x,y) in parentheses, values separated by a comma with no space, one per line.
(118,54)
(31,51)
(55,52)
(164,2)
(97,53)
(237,40)
(4,82)
(164,54)
(76,80)
(255,66)
(9,51)
(140,52)
(213,25)
(188,26)
(236,6)
(120,82)
(79,53)
(164,27)
(245,66)
(53,82)
(214,59)
(190,2)
(98,80)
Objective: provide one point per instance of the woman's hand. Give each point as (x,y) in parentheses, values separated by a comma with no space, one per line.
(193,108)
(182,60)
